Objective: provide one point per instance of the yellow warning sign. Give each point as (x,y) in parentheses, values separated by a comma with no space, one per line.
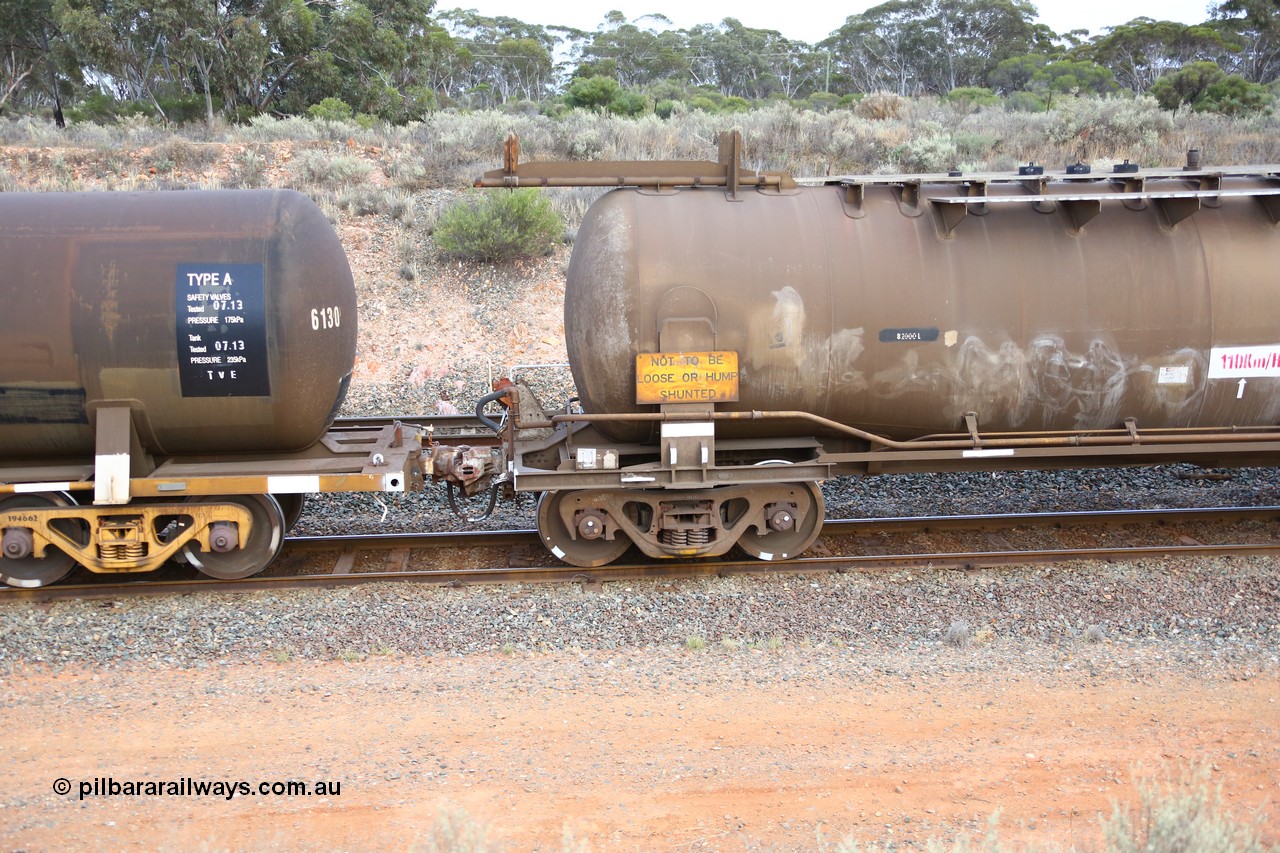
(686,377)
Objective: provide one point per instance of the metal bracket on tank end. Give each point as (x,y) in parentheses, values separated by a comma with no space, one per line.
(852,196)
(1040,187)
(976,189)
(1078,212)
(948,212)
(1271,204)
(1136,184)
(730,149)
(1174,210)
(1208,184)
(947,216)
(908,195)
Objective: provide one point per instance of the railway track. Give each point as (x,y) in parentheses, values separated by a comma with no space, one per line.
(935,542)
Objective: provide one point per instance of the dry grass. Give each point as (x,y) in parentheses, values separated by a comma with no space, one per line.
(881,134)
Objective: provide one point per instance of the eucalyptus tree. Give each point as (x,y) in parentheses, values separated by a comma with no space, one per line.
(636,53)
(1253,26)
(1143,49)
(498,59)
(753,63)
(918,46)
(36,65)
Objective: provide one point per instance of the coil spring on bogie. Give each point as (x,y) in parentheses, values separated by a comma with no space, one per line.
(685,538)
(124,551)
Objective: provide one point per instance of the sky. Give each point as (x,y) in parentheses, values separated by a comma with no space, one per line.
(813,20)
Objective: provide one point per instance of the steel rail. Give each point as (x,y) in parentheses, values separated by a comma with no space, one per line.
(402,544)
(833,527)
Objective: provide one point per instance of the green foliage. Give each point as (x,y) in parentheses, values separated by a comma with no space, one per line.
(182,109)
(1186,85)
(1234,96)
(1207,88)
(914,47)
(974,146)
(179,61)
(1073,77)
(1139,51)
(592,93)
(330,109)
(101,108)
(629,104)
(1014,74)
(823,102)
(499,226)
(970,98)
(1025,102)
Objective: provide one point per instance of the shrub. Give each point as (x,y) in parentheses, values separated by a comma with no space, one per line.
(1186,84)
(187,155)
(101,108)
(628,104)
(1177,814)
(1234,96)
(1025,102)
(318,169)
(932,150)
(498,226)
(880,106)
(970,98)
(592,93)
(958,634)
(330,109)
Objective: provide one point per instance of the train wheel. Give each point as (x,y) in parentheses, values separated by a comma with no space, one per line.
(583,551)
(25,569)
(786,537)
(292,506)
(265,540)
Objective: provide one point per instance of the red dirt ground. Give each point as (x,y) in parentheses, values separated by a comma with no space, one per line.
(632,760)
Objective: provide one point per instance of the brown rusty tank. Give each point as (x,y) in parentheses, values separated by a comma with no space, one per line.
(900,305)
(226,319)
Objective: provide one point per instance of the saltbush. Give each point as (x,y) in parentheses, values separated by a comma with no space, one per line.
(498,226)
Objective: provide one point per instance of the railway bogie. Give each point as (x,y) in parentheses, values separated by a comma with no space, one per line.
(225,515)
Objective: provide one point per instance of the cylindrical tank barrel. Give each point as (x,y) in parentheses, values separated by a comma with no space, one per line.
(226,320)
(879,308)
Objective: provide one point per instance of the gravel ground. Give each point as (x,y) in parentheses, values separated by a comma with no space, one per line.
(1212,612)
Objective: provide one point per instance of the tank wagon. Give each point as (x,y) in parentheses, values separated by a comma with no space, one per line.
(170,368)
(737,337)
